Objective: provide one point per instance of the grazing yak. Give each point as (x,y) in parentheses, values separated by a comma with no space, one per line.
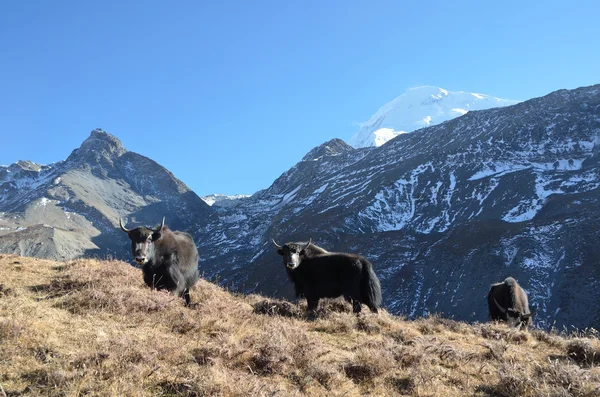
(318,274)
(169,259)
(508,302)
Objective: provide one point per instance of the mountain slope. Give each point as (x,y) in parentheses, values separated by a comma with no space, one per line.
(442,212)
(417,108)
(90,327)
(71,208)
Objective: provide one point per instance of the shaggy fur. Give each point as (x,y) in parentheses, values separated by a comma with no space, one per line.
(318,274)
(508,302)
(169,259)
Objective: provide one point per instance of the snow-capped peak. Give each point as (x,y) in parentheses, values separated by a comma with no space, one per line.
(223,200)
(420,107)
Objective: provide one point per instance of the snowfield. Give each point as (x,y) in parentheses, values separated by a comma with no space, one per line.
(417,108)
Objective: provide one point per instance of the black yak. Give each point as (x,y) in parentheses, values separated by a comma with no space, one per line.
(508,302)
(318,274)
(169,259)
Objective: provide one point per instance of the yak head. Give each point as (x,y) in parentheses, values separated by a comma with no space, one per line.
(142,241)
(292,253)
(514,317)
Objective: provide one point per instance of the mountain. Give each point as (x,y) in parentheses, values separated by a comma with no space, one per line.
(222,200)
(442,212)
(71,208)
(420,107)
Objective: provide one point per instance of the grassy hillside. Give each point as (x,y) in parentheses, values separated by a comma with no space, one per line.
(89,327)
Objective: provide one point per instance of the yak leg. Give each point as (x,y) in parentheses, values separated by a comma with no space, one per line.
(352,293)
(186,296)
(313,304)
(149,279)
(180,290)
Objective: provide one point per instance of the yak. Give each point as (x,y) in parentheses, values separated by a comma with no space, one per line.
(317,273)
(508,302)
(169,259)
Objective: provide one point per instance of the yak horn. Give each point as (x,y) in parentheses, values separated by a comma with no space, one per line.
(308,244)
(503,310)
(276,245)
(162,225)
(123,227)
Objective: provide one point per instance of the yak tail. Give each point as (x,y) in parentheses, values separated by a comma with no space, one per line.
(370,289)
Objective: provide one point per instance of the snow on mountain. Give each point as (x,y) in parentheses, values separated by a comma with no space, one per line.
(223,200)
(418,108)
(442,213)
(71,208)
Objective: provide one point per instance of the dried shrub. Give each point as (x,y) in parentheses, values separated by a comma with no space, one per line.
(403,385)
(9,329)
(404,336)
(367,325)
(567,379)
(270,353)
(274,308)
(547,338)
(495,351)
(58,287)
(204,355)
(336,323)
(184,324)
(90,360)
(359,372)
(306,357)
(267,361)
(5,291)
(583,352)
(426,328)
(324,374)
(122,301)
(369,364)
(444,351)
(335,306)
(44,354)
(408,356)
(172,388)
(514,382)
(502,332)
(449,324)
(44,378)
(488,331)
(517,337)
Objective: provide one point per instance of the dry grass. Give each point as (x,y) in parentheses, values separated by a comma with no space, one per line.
(584,351)
(91,327)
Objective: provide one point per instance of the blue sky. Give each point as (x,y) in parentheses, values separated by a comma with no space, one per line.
(230,94)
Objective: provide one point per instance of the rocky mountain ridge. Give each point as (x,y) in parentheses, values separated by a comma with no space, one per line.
(71,208)
(442,212)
